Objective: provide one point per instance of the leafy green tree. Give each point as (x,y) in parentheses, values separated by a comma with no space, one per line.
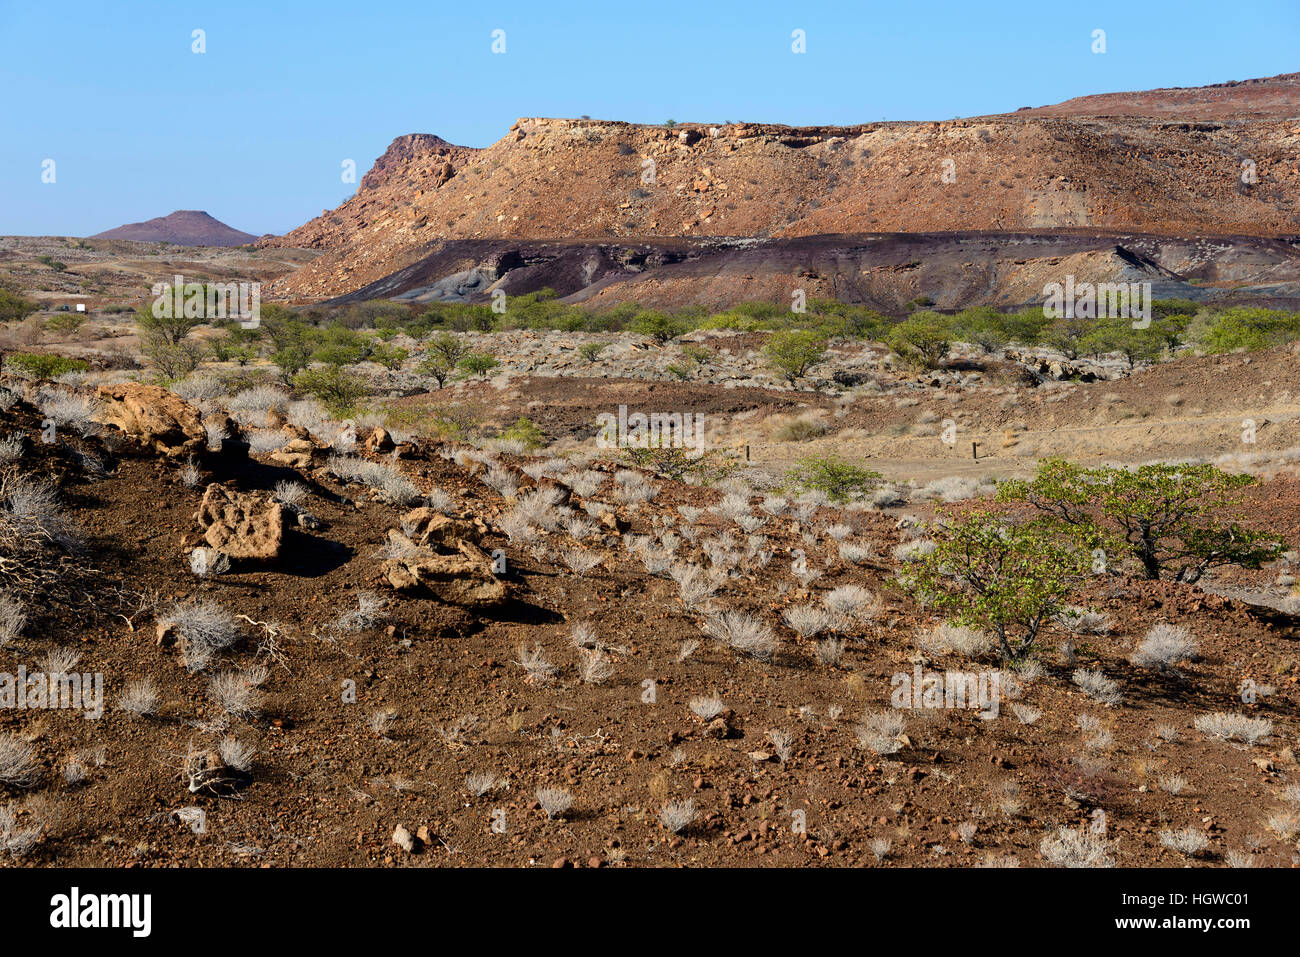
(1175,520)
(390,357)
(173,360)
(172,330)
(923,337)
(478,363)
(291,359)
(793,353)
(340,346)
(1005,577)
(838,479)
(1118,335)
(983,326)
(14,307)
(659,326)
(66,323)
(339,390)
(591,350)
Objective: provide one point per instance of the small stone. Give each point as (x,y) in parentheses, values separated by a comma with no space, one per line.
(402,838)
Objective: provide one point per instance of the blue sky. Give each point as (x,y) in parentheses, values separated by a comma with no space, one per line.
(254,130)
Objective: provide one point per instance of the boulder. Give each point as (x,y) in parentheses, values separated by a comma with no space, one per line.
(296,454)
(461,578)
(425,526)
(155,417)
(241,525)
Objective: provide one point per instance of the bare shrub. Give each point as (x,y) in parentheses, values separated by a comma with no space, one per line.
(677,816)
(13,619)
(593,667)
(235,694)
(743,633)
(1097,686)
(1069,847)
(1233,727)
(536,665)
(480,784)
(370,611)
(879,732)
(707,707)
(139,697)
(808,620)
(1187,841)
(554,801)
(1163,646)
(18,767)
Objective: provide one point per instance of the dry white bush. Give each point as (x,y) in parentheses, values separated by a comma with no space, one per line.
(261,441)
(690,513)
(593,667)
(60,661)
(381,722)
(517,527)
(1163,646)
(857,552)
(947,638)
(69,412)
(1236,858)
(880,847)
(290,493)
(830,651)
(439,501)
(584,484)
(879,731)
(741,632)
(536,665)
(687,648)
(578,529)
(583,635)
(677,816)
(707,707)
(250,406)
(505,483)
(1069,847)
(1083,621)
(235,695)
(806,573)
(236,754)
(808,620)
(18,767)
(782,744)
(139,697)
(542,507)
(634,490)
(1097,686)
(1233,727)
(11,449)
(479,784)
(13,619)
(1174,784)
(371,610)
(850,601)
(579,560)
(1187,841)
(206,562)
(1025,714)
(731,507)
(774,505)
(693,585)
(914,550)
(554,801)
(17,841)
(1285,824)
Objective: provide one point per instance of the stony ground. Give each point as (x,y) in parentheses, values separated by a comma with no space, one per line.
(373,712)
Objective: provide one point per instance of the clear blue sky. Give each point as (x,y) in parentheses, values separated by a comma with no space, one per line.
(254,130)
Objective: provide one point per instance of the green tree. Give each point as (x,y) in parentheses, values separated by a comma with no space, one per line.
(525,430)
(1175,520)
(338,389)
(659,326)
(1118,335)
(291,359)
(14,307)
(478,363)
(923,337)
(794,353)
(591,350)
(1005,577)
(170,329)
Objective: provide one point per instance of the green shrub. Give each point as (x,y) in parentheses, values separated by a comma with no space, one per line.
(527,431)
(1007,578)
(478,363)
(339,390)
(838,479)
(43,365)
(792,354)
(924,337)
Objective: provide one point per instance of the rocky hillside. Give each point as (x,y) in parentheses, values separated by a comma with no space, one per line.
(552,178)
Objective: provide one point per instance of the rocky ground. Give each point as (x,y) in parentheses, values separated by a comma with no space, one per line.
(429,654)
